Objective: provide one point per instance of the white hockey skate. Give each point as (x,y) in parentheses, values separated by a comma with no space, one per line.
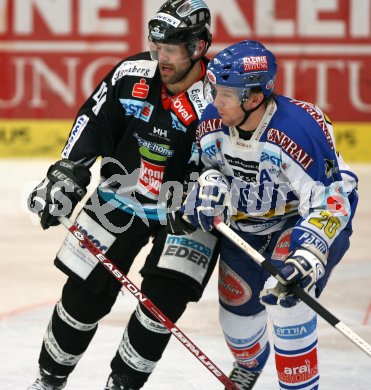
(45,381)
(40,385)
(244,379)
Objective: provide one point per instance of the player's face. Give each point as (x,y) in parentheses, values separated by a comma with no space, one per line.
(173,61)
(227,101)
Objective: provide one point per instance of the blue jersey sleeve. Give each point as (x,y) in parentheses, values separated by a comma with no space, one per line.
(311,166)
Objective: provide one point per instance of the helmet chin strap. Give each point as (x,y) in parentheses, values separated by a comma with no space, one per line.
(249,112)
(193,62)
(185,73)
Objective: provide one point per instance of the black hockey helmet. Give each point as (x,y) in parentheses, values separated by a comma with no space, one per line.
(181,21)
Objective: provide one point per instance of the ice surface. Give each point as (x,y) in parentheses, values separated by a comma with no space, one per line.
(30,285)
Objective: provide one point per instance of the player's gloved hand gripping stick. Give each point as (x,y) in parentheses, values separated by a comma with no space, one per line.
(292,287)
(123,279)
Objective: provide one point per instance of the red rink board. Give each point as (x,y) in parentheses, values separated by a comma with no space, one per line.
(52,54)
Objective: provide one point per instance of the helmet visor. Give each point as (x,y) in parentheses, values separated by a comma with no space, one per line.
(174,53)
(226,96)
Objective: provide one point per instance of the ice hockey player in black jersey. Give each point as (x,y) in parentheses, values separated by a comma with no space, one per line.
(141,119)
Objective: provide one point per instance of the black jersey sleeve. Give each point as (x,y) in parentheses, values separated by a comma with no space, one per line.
(91,134)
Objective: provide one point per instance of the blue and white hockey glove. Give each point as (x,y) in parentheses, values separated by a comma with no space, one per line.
(303,268)
(58,194)
(209,197)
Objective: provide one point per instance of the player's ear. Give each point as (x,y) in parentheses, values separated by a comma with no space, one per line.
(200,46)
(256,98)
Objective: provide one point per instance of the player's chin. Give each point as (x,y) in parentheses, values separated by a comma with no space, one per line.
(227,121)
(168,78)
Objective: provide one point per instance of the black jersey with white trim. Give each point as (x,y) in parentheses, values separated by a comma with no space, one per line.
(145,137)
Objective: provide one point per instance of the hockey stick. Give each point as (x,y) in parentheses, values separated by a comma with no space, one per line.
(123,279)
(311,302)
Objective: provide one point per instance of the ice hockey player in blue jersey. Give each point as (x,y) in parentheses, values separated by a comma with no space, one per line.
(273,173)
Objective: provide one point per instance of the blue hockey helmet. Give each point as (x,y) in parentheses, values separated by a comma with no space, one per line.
(244,65)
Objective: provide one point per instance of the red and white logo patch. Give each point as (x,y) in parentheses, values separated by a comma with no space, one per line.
(294,369)
(233,290)
(183,109)
(245,353)
(140,90)
(151,176)
(254,63)
(281,250)
(336,204)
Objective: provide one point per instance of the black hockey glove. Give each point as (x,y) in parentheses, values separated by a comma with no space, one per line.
(58,194)
(176,225)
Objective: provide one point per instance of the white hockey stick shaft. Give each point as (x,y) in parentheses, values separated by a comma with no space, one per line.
(125,281)
(311,302)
